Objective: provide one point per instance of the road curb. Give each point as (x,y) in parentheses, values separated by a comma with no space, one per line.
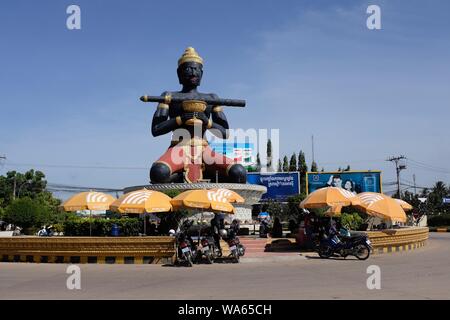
(94,259)
(406,247)
(434,229)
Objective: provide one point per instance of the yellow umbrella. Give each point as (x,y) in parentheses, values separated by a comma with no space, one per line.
(88,201)
(333,211)
(203,199)
(142,201)
(230,195)
(405,205)
(382,206)
(329,197)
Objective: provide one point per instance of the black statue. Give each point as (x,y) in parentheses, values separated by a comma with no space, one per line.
(190,113)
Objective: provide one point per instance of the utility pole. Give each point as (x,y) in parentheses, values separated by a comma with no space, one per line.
(414,180)
(14,189)
(399,166)
(312,147)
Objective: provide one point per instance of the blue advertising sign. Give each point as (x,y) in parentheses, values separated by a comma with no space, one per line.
(446,200)
(280,185)
(355,181)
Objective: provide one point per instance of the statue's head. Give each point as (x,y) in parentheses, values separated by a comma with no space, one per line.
(190,68)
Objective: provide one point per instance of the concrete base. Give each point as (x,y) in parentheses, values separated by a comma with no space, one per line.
(250,192)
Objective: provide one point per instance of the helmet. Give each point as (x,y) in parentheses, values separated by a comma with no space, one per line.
(223,233)
(171,232)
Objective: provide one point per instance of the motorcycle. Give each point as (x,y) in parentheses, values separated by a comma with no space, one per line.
(185,245)
(208,250)
(356,245)
(44,232)
(237,250)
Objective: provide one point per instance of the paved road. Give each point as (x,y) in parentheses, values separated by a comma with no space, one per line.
(419,274)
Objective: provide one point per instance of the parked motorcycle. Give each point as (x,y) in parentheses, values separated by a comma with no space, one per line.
(208,250)
(185,250)
(237,250)
(44,232)
(355,245)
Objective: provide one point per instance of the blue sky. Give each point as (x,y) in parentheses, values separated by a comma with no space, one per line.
(304,67)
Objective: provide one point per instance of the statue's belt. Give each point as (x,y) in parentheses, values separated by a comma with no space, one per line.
(194,142)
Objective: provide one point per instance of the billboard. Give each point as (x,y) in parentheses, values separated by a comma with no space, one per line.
(280,185)
(242,153)
(354,181)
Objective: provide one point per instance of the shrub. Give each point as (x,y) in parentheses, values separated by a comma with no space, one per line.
(351,221)
(101,227)
(441,220)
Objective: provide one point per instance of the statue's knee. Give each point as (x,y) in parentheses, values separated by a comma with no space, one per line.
(237,174)
(159,173)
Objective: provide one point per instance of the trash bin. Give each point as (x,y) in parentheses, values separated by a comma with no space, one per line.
(115,230)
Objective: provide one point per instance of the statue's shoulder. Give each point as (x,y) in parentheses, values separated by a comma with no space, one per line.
(212,95)
(171,93)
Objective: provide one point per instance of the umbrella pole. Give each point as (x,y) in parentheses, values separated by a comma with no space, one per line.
(200,229)
(145,224)
(90,223)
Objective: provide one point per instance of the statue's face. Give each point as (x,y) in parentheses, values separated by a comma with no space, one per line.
(190,74)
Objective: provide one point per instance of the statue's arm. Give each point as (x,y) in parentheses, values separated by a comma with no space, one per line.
(161,124)
(219,122)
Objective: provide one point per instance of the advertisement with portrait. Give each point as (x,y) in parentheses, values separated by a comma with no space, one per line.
(354,181)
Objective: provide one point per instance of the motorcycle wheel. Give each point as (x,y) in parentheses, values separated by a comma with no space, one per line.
(235,256)
(325,252)
(209,257)
(188,257)
(241,250)
(362,252)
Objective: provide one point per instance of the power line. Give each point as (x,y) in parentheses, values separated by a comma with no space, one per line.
(429,168)
(428,165)
(399,166)
(66,166)
(56,186)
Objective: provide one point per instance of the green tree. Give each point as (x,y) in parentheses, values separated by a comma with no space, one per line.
(17,185)
(269,155)
(302,168)
(314,167)
(435,204)
(348,168)
(293,163)
(285,164)
(293,205)
(258,163)
(27,213)
(280,166)
(278,210)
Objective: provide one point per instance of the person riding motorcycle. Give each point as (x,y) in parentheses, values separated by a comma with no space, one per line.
(333,232)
